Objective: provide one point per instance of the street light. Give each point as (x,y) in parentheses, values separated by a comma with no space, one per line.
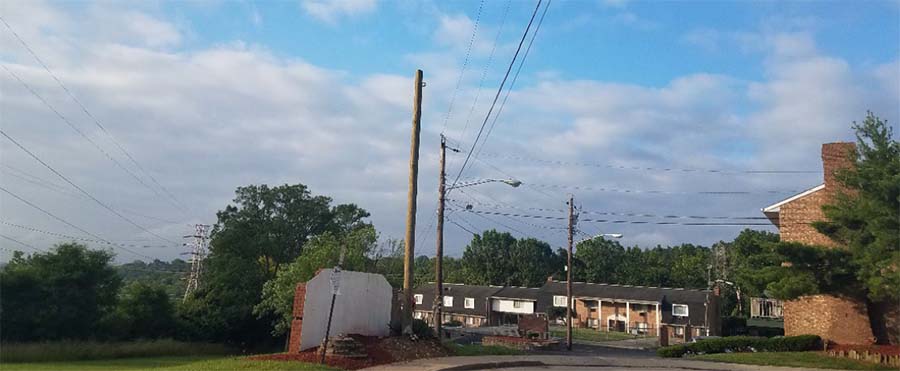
(569,269)
(511,182)
(439,251)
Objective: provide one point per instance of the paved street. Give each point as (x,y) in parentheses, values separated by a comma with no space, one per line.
(611,360)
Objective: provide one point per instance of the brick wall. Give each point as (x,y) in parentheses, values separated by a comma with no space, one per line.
(601,313)
(835,319)
(796,216)
(297,321)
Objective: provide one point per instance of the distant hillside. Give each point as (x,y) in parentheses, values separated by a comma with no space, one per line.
(168,274)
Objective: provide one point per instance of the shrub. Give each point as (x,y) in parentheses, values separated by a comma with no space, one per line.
(421,329)
(453,323)
(672,351)
(799,343)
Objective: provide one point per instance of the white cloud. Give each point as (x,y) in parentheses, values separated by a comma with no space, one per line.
(331,10)
(209,120)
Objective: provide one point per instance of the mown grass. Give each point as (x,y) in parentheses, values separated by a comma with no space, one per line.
(591,334)
(791,359)
(87,350)
(197,363)
(481,350)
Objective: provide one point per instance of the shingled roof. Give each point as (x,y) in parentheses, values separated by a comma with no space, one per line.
(458,292)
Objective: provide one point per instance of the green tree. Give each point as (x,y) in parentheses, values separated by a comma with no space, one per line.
(866,218)
(688,267)
(321,252)
(265,228)
(599,260)
(61,294)
(531,262)
(486,260)
(147,310)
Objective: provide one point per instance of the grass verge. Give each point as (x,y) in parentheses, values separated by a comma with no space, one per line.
(87,350)
(791,359)
(481,350)
(591,334)
(199,363)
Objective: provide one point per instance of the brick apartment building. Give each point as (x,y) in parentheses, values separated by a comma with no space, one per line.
(841,320)
(637,310)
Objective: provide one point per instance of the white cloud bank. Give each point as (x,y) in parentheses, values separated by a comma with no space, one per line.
(206,121)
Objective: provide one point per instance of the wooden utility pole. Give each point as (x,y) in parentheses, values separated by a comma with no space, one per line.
(410,248)
(439,251)
(569,303)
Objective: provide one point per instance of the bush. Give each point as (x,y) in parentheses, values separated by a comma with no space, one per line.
(421,329)
(453,323)
(799,343)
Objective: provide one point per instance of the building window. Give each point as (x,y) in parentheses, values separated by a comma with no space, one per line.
(470,321)
(418,315)
(448,301)
(679,331)
(517,304)
(559,301)
(679,310)
(469,303)
(418,299)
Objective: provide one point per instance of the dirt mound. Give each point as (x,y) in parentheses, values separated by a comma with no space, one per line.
(379,351)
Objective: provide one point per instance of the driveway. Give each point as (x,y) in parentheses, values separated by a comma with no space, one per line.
(626,362)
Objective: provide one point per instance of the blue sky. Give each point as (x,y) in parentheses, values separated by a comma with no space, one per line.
(643,42)
(212,95)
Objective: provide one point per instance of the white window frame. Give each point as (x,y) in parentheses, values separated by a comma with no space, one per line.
(448,302)
(517,304)
(469,303)
(418,298)
(560,301)
(686,310)
(679,331)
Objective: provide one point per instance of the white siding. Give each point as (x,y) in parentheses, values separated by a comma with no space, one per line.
(350,317)
(506,305)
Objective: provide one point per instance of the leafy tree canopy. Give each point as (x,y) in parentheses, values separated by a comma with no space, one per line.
(60,294)
(866,218)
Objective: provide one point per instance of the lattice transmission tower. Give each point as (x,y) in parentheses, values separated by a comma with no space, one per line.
(199,246)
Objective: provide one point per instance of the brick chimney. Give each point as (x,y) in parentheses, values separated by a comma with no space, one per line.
(836,156)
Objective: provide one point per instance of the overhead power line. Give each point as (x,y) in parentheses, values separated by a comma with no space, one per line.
(628,214)
(51,186)
(86,193)
(515,78)
(545,217)
(21,243)
(178,204)
(461,227)
(496,96)
(647,168)
(622,190)
(465,65)
(63,236)
(61,220)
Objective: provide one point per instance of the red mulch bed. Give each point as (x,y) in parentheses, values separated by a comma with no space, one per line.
(380,351)
(888,350)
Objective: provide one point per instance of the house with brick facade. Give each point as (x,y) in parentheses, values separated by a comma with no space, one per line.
(638,310)
(838,319)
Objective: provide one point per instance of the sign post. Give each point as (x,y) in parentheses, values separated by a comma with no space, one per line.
(335,291)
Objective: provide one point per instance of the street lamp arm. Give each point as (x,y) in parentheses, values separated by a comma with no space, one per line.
(511,182)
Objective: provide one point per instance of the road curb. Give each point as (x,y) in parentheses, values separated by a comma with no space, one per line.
(492,365)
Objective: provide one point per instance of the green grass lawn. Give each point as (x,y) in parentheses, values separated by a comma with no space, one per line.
(791,359)
(481,350)
(591,334)
(198,363)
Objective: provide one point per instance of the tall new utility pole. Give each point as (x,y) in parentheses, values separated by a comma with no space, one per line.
(198,253)
(439,251)
(569,274)
(410,248)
